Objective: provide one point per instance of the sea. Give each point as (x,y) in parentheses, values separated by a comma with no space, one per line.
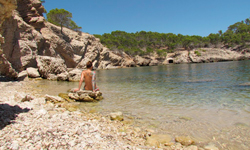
(209,102)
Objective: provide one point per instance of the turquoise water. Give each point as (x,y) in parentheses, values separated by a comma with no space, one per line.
(205,101)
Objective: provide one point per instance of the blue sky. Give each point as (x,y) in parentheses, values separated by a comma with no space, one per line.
(187,17)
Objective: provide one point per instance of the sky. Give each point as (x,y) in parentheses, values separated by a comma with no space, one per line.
(186,17)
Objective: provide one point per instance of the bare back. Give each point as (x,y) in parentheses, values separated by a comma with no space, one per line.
(88,77)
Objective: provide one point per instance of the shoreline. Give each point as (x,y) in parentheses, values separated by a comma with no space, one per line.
(30,122)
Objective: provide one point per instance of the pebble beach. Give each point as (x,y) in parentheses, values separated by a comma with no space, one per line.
(29,122)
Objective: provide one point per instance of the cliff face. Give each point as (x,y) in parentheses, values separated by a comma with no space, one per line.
(27,38)
(6,8)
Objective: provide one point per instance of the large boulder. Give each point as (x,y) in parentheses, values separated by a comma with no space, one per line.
(32,72)
(50,65)
(75,74)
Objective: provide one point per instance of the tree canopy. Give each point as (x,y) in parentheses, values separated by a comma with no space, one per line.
(62,17)
(141,43)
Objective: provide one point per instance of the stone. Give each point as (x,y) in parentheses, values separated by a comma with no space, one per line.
(158,139)
(210,147)
(50,65)
(66,97)
(86,98)
(32,72)
(53,99)
(85,95)
(70,106)
(184,140)
(154,62)
(117,116)
(22,75)
(141,61)
(27,98)
(75,74)
(74,96)
(63,76)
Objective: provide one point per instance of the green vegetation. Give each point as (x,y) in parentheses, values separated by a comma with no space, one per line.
(197,53)
(143,43)
(62,17)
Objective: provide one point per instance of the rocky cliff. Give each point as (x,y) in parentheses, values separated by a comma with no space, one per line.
(27,40)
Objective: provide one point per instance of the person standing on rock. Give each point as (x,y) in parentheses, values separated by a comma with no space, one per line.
(89,77)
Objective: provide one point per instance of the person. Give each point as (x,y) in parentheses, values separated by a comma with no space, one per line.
(89,78)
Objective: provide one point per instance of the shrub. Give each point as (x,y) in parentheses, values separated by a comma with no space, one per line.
(197,53)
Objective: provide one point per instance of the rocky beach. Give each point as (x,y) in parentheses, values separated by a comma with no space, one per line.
(30,121)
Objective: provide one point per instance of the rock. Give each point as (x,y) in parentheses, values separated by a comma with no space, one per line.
(210,147)
(32,72)
(181,57)
(50,65)
(85,98)
(214,55)
(193,147)
(53,99)
(184,140)
(66,97)
(27,98)
(128,63)
(75,74)
(52,77)
(22,75)
(63,76)
(116,116)
(158,139)
(70,106)
(85,95)
(114,59)
(154,62)
(141,61)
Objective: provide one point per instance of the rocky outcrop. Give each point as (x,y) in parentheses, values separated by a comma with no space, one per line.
(207,55)
(215,55)
(31,12)
(6,8)
(49,66)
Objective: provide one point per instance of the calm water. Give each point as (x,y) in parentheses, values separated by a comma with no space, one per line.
(205,101)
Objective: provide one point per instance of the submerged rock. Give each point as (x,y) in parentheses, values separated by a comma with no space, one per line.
(53,99)
(184,140)
(116,116)
(158,139)
(66,97)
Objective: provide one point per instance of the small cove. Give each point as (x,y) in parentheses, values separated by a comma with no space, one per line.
(205,101)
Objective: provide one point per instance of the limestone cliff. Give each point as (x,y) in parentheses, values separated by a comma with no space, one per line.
(28,38)
(6,8)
